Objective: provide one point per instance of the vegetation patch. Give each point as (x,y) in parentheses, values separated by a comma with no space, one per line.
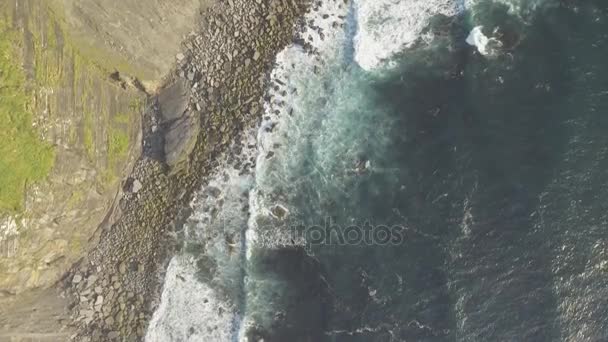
(24,157)
(118,146)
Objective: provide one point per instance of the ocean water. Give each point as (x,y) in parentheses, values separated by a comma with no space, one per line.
(425,171)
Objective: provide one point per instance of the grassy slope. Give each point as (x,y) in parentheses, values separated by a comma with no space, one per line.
(24,157)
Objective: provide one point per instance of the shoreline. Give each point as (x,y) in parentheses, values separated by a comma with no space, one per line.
(225,65)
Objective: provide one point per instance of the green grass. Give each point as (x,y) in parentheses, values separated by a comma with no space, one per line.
(122,118)
(24,158)
(118,145)
(118,139)
(118,148)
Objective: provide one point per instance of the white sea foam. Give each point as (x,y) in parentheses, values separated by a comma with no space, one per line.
(386,27)
(189,310)
(478,39)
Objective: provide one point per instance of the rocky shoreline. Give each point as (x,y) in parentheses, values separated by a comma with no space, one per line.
(215,92)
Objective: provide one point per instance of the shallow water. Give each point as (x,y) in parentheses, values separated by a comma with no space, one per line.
(487,169)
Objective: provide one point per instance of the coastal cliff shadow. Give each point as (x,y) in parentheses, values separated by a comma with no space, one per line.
(481,139)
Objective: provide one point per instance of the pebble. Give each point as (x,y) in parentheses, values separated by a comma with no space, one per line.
(122,268)
(91,280)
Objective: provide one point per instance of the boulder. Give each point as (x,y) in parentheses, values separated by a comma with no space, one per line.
(136,186)
(180,138)
(77,279)
(180,127)
(173,101)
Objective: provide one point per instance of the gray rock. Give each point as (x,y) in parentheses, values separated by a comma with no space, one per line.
(214,191)
(86,316)
(279,211)
(191,75)
(136,186)
(173,101)
(113,335)
(77,279)
(91,280)
(87,313)
(180,138)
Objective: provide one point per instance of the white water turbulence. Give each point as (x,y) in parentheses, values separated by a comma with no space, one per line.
(386,27)
(293,86)
(189,309)
(202,292)
(478,39)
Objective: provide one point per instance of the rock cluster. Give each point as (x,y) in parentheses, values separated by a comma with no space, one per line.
(216,90)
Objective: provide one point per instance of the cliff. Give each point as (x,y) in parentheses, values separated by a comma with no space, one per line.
(74,80)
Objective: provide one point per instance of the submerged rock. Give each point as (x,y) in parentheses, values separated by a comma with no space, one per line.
(279,212)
